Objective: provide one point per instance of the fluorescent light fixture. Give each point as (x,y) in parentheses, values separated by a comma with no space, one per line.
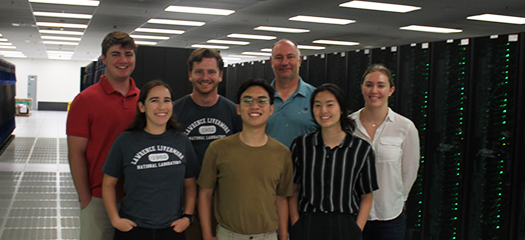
(326,20)
(62,15)
(310,47)
(199,10)
(251,36)
(231,58)
(61,25)
(266,50)
(498,18)
(0,34)
(61,43)
(8,47)
(150,37)
(3,40)
(145,43)
(11,53)
(257,53)
(159,30)
(209,46)
(281,29)
(6,44)
(333,42)
(176,22)
(60,52)
(228,42)
(388,7)
(62,32)
(14,56)
(59,57)
(69,2)
(430,29)
(61,38)
(241,56)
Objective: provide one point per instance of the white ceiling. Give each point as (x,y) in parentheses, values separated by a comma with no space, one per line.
(372,28)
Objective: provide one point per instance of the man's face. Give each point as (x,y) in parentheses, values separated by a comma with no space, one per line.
(255,107)
(205,76)
(285,61)
(120,62)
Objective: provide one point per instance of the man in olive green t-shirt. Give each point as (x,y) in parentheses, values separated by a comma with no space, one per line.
(248,174)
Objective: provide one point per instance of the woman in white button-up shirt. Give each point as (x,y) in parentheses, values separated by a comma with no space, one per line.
(395,140)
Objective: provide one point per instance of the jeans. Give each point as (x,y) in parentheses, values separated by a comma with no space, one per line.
(138,233)
(386,230)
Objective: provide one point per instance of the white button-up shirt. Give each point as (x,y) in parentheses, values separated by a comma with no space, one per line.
(396,144)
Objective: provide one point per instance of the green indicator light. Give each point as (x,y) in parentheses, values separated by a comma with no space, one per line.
(507,55)
(501,172)
(504,122)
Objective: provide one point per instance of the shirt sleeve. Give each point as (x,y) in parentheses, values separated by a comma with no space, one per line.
(78,120)
(208,175)
(285,187)
(410,159)
(367,181)
(114,161)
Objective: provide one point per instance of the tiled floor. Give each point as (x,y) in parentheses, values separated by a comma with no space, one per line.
(37,196)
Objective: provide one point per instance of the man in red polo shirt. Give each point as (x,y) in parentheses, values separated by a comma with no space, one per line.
(96,116)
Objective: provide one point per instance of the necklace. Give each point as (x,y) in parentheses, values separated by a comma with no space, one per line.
(373,124)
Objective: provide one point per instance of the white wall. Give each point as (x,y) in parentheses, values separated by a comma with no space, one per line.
(57,80)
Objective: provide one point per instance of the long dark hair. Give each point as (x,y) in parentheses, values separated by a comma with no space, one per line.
(347,124)
(140,118)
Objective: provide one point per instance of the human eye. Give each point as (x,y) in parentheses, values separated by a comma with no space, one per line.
(168,100)
(263,101)
(247,100)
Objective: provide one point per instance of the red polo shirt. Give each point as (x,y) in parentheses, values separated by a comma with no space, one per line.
(100,113)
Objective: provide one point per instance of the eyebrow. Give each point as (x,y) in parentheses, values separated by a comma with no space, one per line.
(257,97)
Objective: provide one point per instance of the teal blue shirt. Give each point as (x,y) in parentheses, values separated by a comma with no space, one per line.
(292,118)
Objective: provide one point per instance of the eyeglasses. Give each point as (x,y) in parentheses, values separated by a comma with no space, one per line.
(260,101)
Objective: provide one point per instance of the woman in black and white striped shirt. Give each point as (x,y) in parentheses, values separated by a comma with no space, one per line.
(334,173)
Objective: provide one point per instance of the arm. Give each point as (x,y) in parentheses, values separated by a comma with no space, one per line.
(293,205)
(281,204)
(410,159)
(190,196)
(205,201)
(364,210)
(110,202)
(79,170)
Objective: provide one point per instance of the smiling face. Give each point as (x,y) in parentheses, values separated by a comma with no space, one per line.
(326,109)
(205,76)
(376,89)
(158,108)
(285,61)
(255,107)
(120,62)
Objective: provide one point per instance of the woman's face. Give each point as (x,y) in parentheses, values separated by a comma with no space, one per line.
(376,89)
(158,107)
(326,109)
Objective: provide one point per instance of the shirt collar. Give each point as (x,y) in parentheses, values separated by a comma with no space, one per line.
(109,89)
(347,142)
(301,89)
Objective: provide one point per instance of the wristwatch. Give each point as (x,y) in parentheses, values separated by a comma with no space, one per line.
(189,216)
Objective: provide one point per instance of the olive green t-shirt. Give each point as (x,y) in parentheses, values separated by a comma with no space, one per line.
(246,181)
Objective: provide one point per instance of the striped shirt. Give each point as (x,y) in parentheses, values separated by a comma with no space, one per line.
(332,180)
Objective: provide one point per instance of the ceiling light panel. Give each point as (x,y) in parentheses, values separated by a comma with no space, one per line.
(62,15)
(216,41)
(310,47)
(430,29)
(176,22)
(334,42)
(3,40)
(325,20)
(61,38)
(257,53)
(209,46)
(149,37)
(68,2)
(498,18)
(251,36)
(61,32)
(6,44)
(199,10)
(7,47)
(266,50)
(281,29)
(159,30)
(60,43)
(387,7)
(145,43)
(61,25)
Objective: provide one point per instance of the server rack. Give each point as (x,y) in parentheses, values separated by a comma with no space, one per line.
(7,101)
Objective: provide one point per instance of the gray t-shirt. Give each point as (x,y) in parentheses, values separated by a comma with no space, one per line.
(203,125)
(153,168)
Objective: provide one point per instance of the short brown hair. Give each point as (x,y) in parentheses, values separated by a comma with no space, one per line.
(199,53)
(118,38)
(382,69)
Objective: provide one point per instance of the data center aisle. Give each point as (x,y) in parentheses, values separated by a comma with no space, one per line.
(37,196)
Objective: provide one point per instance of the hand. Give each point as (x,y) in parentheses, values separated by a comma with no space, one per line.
(84,202)
(181,224)
(123,224)
(209,238)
